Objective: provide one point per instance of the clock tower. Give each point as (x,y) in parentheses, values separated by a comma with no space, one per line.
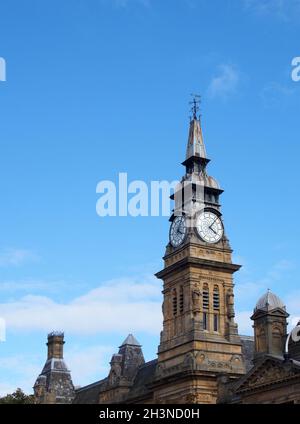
(199,342)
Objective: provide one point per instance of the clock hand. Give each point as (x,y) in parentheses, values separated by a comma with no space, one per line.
(213,222)
(211,226)
(213,230)
(181,229)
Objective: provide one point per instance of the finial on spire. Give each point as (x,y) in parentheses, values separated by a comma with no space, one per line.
(195,105)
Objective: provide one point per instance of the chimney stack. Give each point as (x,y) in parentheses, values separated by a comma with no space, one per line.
(56,345)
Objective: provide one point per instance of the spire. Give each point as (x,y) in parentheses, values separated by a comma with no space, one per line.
(196,158)
(130,340)
(195,147)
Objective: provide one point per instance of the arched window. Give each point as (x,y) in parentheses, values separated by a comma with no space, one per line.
(261,342)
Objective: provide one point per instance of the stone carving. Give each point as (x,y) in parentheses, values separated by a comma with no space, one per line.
(197,398)
(219,365)
(115,370)
(269,375)
(160,369)
(189,361)
(196,297)
(230,304)
(114,377)
(236,362)
(200,358)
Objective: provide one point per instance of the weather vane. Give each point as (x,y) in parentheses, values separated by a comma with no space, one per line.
(195,104)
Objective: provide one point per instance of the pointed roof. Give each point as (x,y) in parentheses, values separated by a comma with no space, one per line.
(130,340)
(195,147)
(268,302)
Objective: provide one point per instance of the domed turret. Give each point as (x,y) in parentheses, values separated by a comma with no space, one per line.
(268,302)
(270,326)
(212,183)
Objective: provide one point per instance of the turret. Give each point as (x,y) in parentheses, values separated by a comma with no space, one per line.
(123,369)
(270,326)
(54,384)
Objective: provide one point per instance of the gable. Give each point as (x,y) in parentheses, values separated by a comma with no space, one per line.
(276,312)
(268,372)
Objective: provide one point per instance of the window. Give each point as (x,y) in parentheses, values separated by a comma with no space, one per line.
(216,322)
(181,300)
(205,297)
(174,302)
(216,298)
(205,321)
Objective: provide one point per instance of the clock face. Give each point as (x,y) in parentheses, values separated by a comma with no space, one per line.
(178,231)
(209,227)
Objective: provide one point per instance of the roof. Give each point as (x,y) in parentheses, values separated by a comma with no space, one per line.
(130,340)
(89,394)
(55,364)
(145,376)
(268,302)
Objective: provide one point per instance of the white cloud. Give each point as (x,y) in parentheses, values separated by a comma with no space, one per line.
(16,257)
(244,322)
(292,301)
(24,369)
(8,388)
(116,306)
(94,366)
(225,82)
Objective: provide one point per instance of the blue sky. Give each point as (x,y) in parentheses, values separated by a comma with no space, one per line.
(99,87)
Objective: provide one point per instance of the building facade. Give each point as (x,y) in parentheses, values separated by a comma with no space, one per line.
(202,359)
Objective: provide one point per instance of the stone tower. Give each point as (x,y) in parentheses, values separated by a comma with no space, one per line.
(270,326)
(54,384)
(200,340)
